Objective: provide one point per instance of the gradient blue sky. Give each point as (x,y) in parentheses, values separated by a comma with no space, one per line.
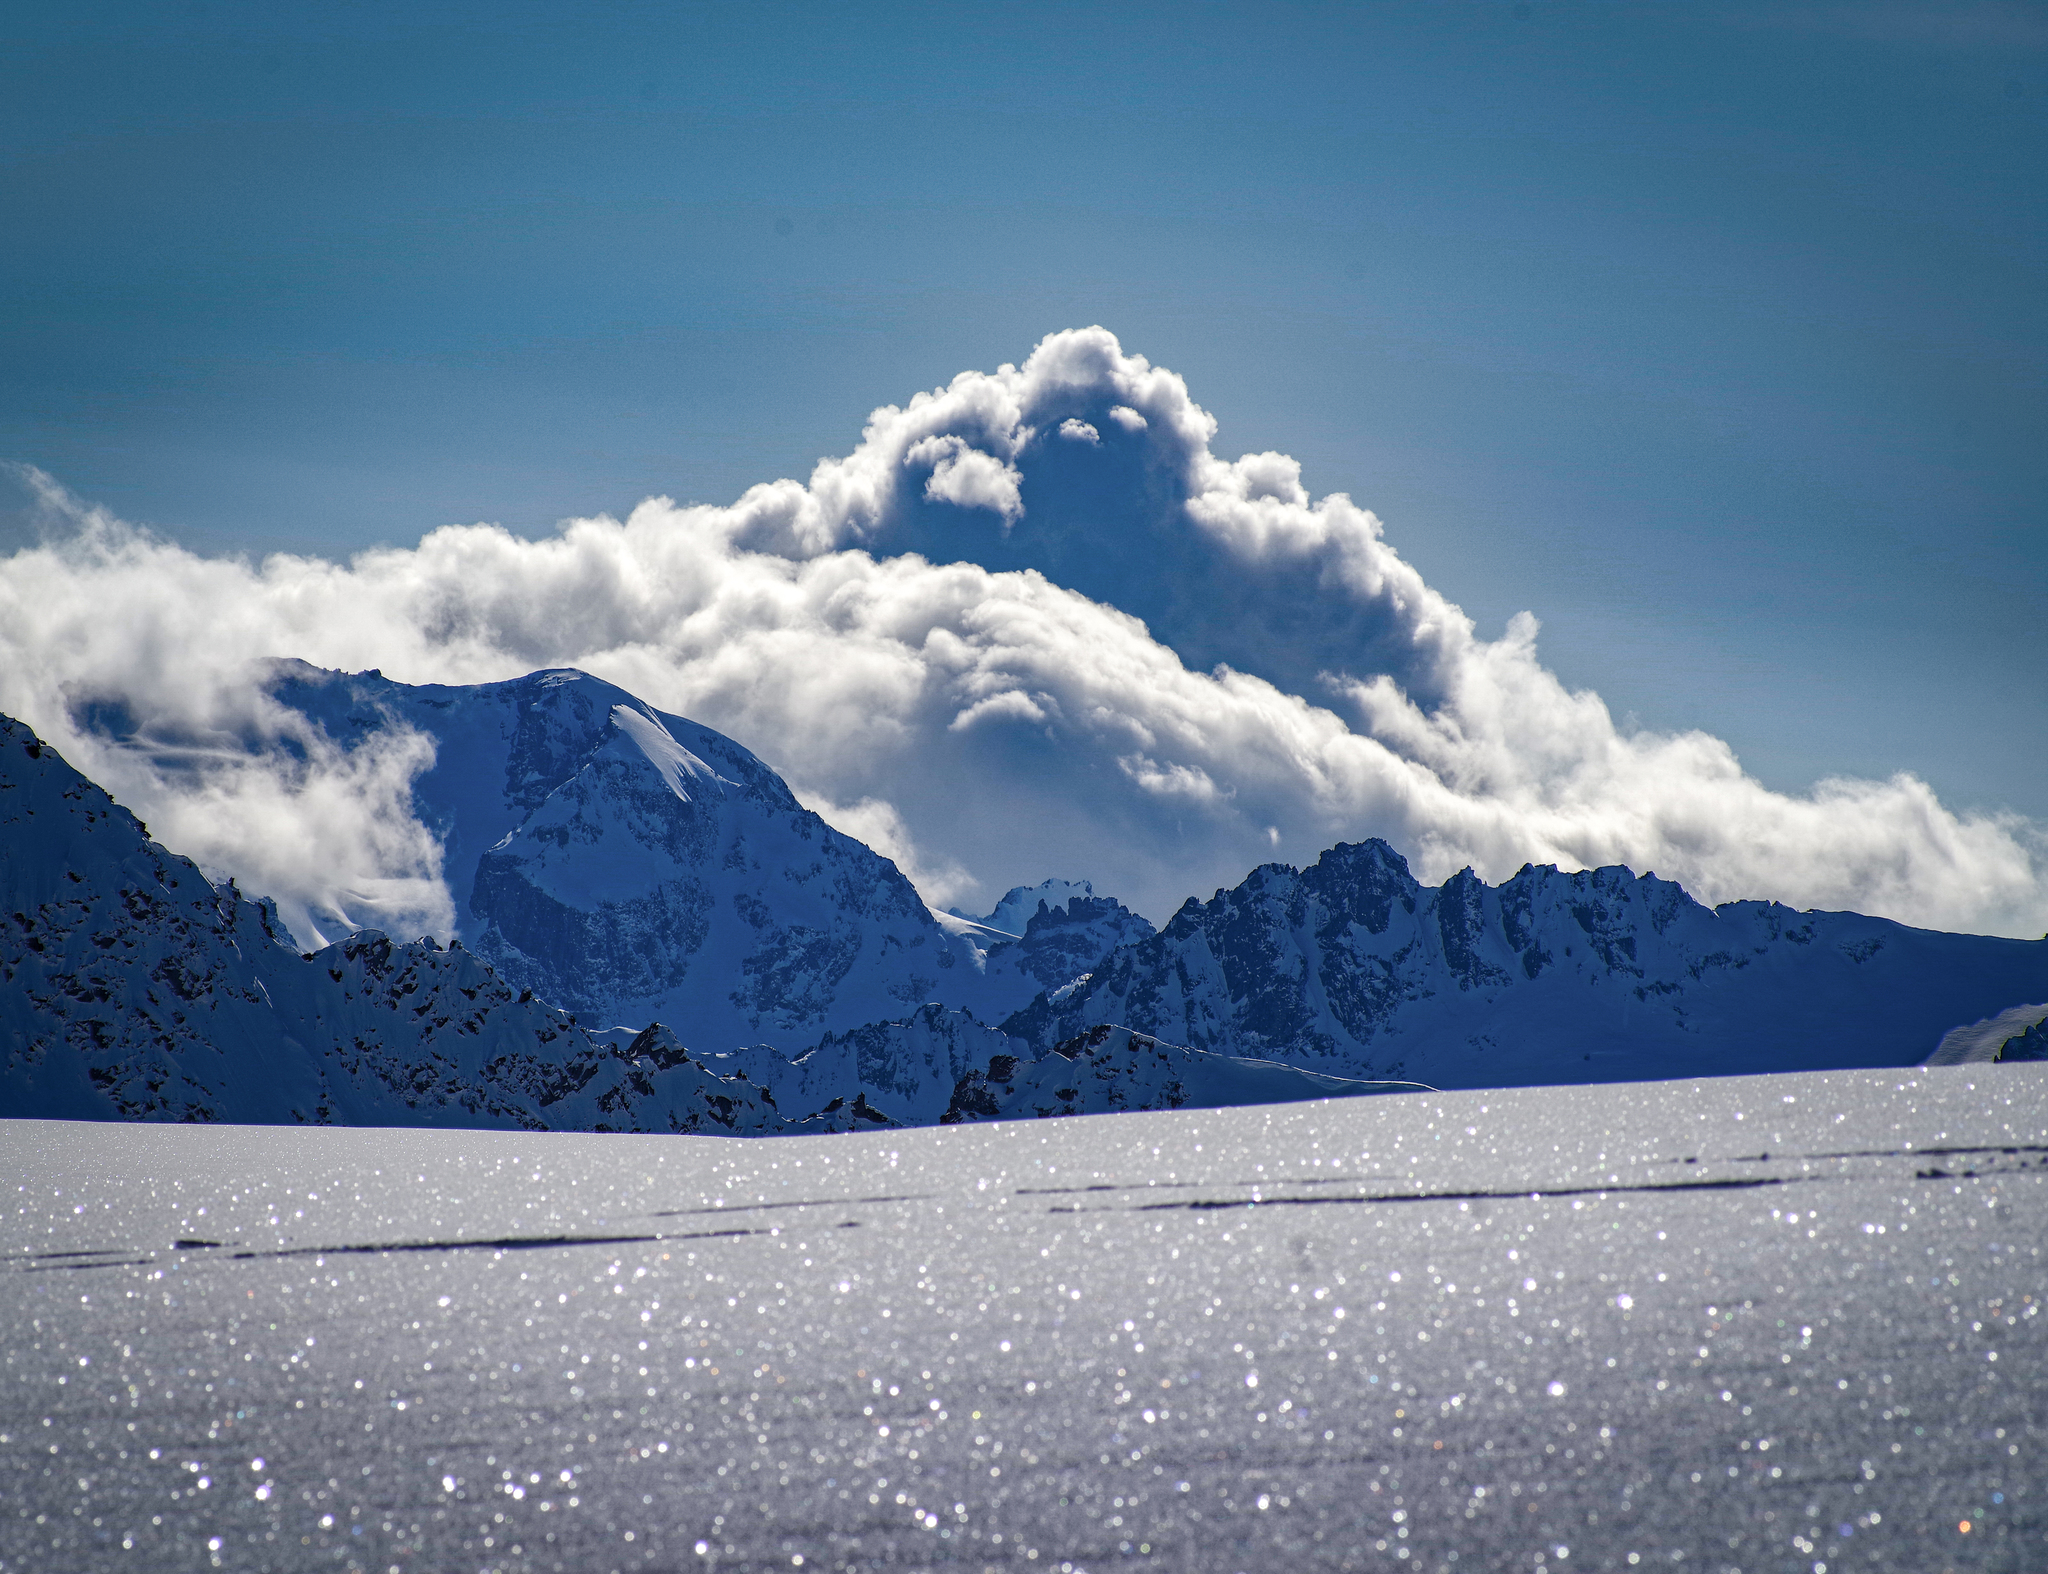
(1715,335)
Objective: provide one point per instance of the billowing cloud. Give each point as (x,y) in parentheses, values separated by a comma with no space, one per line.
(188,738)
(996,651)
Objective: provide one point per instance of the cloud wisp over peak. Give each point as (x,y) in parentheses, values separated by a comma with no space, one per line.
(1031,625)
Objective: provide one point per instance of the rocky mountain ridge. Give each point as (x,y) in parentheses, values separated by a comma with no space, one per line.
(1353,967)
(660,937)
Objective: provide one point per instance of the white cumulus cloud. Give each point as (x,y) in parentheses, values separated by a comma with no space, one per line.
(1195,665)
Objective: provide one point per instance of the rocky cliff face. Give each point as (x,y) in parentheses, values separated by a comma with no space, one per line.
(1352,967)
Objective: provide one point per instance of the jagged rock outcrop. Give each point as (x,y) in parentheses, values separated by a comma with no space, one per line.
(1352,967)
(2031,1045)
(1064,929)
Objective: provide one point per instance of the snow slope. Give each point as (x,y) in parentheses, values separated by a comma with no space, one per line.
(1741,1323)
(1353,968)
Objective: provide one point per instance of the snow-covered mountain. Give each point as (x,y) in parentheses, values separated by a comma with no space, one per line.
(1044,937)
(1354,968)
(131,988)
(737,964)
(633,866)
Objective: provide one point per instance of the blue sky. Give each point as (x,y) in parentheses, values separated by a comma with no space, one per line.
(1716,336)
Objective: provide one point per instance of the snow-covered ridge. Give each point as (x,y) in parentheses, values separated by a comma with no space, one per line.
(1354,968)
(1987,1042)
(1107,1069)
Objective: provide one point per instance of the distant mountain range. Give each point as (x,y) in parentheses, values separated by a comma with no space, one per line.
(1352,967)
(659,937)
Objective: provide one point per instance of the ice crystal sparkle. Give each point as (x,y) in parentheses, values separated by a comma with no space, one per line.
(454,1274)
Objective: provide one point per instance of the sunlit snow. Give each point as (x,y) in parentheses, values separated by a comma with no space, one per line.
(1746,1323)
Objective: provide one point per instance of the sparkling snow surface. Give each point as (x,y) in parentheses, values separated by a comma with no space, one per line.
(1756,1324)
